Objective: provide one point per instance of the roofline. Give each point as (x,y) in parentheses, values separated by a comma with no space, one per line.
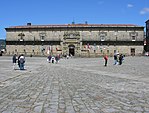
(71,26)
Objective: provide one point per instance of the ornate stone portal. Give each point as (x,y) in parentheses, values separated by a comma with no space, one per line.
(71,43)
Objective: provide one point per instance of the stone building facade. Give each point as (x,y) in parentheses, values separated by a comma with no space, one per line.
(82,40)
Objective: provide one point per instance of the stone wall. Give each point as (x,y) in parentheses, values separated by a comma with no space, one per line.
(87,35)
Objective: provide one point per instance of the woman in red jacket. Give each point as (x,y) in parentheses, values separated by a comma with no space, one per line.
(106,59)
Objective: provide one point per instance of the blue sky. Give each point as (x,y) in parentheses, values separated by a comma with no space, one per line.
(41,12)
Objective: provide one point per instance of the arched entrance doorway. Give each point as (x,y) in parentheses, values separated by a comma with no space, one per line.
(71,50)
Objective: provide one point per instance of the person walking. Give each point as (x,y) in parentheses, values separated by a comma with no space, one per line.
(14,61)
(56,58)
(115,59)
(19,60)
(49,58)
(106,59)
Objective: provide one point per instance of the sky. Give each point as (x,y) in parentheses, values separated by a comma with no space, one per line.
(44,12)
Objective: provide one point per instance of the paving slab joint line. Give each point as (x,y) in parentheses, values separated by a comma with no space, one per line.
(1,82)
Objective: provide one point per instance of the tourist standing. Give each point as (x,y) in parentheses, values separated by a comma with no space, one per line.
(53,59)
(49,58)
(14,60)
(22,62)
(106,59)
(120,59)
(57,58)
(115,59)
(19,61)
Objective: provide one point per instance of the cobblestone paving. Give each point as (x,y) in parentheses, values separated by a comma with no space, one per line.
(77,85)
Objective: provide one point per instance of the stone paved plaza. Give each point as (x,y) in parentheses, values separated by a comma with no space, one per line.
(76,85)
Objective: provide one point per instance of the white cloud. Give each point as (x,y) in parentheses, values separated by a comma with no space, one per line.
(144,11)
(129,5)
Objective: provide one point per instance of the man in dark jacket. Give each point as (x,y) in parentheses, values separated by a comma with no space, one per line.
(120,59)
(14,60)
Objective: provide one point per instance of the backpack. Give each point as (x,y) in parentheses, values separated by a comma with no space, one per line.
(22,60)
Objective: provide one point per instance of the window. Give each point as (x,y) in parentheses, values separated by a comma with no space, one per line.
(24,51)
(133,38)
(94,51)
(42,38)
(101,51)
(107,51)
(102,38)
(114,51)
(21,39)
(21,35)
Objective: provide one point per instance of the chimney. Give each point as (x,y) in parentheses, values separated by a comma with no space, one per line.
(73,22)
(29,24)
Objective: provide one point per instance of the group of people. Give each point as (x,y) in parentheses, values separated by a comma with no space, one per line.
(53,59)
(20,60)
(118,59)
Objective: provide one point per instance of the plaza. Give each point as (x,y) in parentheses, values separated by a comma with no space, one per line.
(75,85)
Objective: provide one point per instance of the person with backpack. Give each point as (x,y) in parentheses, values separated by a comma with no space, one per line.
(53,59)
(21,62)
